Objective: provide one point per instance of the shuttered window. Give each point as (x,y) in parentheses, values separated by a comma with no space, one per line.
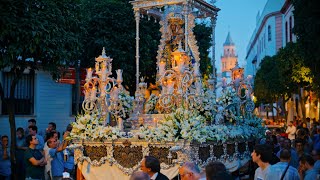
(24,94)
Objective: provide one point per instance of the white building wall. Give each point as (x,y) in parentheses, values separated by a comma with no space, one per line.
(53,103)
(259,46)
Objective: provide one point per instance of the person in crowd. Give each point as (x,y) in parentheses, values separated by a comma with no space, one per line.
(31,122)
(305,127)
(299,147)
(56,152)
(316,139)
(283,170)
(217,171)
(151,166)
(51,127)
(5,164)
(261,155)
(139,175)
(316,157)
(69,158)
(53,134)
(21,147)
(33,130)
(306,169)
(189,171)
(34,160)
(294,160)
(307,141)
(291,131)
(47,170)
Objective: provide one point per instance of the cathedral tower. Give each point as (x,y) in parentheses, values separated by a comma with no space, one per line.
(229,58)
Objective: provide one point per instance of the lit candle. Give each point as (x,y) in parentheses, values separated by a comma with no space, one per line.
(104,74)
(89,73)
(161,67)
(97,66)
(155,121)
(119,75)
(93,93)
(170,86)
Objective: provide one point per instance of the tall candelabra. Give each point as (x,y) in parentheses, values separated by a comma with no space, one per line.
(180,85)
(102,91)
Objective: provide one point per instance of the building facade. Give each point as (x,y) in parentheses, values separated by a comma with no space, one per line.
(267,37)
(39,97)
(229,58)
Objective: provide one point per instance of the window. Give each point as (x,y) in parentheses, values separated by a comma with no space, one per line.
(24,94)
(269,33)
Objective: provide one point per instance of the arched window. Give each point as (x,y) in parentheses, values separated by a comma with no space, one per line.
(269,33)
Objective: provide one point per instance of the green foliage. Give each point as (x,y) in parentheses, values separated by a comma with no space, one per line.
(307,29)
(43,30)
(203,34)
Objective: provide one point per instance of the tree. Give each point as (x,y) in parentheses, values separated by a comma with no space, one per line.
(307,29)
(203,34)
(36,35)
(297,77)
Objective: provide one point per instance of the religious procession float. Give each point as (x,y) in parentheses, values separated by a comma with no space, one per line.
(183,121)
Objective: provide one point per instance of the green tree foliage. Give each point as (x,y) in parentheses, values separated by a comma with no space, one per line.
(307,29)
(267,81)
(36,34)
(203,34)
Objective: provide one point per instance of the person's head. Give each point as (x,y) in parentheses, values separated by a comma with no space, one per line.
(139,175)
(281,141)
(51,126)
(287,143)
(214,168)
(32,122)
(52,143)
(5,140)
(261,153)
(150,165)
(285,155)
(290,123)
(189,171)
(69,128)
(304,125)
(221,176)
(53,134)
(299,145)
(277,131)
(306,162)
(33,130)
(315,154)
(20,133)
(32,140)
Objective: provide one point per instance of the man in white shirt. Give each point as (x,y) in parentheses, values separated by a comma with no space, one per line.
(291,131)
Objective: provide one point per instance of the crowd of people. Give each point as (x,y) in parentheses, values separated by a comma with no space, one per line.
(283,154)
(39,154)
(150,170)
(293,153)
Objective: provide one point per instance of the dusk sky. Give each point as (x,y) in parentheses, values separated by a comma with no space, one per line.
(238,17)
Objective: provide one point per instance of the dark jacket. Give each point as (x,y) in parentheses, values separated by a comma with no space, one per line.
(161,177)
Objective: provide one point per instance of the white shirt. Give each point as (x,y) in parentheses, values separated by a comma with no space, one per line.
(154,176)
(261,174)
(291,132)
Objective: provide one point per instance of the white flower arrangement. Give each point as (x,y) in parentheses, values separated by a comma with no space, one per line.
(126,105)
(90,127)
(151,104)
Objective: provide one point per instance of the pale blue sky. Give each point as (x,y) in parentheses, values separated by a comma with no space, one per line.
(238,17)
